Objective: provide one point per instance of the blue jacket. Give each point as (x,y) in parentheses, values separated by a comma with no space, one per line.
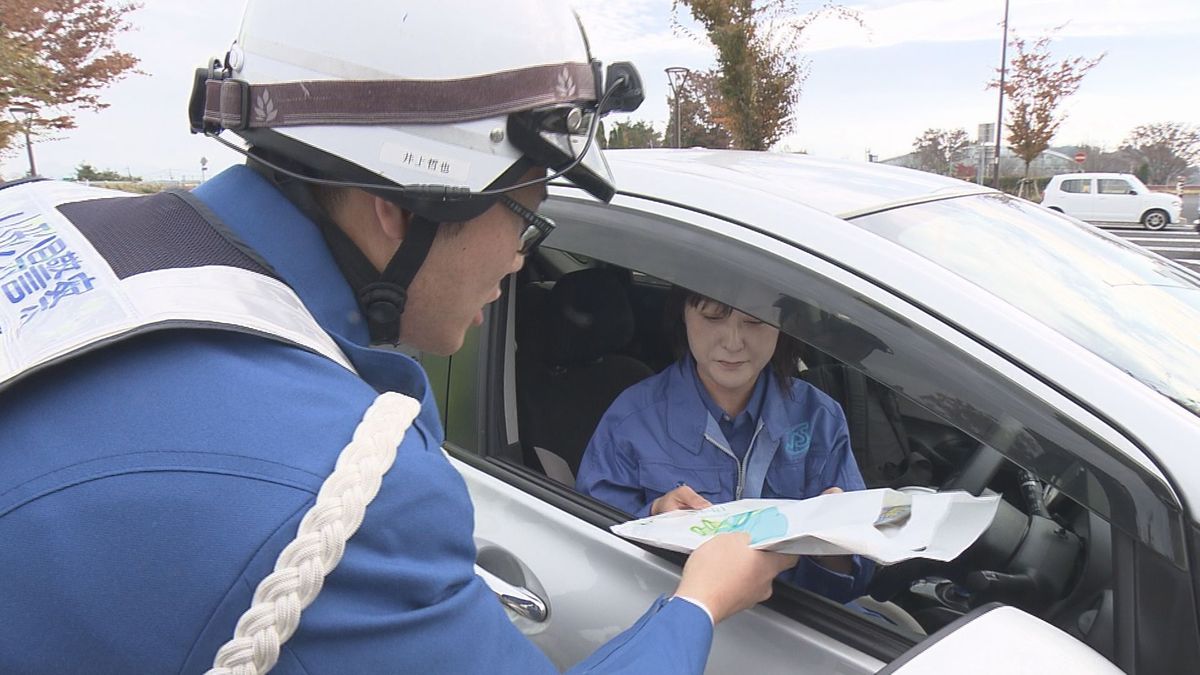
(658,434)
(146,488)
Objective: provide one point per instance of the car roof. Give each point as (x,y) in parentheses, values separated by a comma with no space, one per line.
(838,187)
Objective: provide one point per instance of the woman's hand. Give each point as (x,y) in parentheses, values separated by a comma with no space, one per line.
(681,498)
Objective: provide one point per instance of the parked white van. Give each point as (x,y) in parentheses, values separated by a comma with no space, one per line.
(1112,198)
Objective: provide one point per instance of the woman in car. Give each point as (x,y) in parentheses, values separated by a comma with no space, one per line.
(726,421)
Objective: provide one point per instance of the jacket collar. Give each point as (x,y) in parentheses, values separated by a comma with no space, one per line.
(687,416)
(292,244)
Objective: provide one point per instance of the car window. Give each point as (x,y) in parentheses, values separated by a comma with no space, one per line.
(900,440)
(1077,186)
(1114,186)
(1132,309)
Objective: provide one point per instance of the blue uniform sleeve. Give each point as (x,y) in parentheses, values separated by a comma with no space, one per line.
(609,472)
(405,597)
(674,636)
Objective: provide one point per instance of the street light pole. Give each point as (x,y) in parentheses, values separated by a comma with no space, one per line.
(677,76)
(28,112)
(1000,113)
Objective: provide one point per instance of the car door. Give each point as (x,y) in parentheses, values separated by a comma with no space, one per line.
(537,534)
(1117,201)
(1075,198)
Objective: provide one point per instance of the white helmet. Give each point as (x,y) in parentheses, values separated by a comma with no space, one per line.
(467,94)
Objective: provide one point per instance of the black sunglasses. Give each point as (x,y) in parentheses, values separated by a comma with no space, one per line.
(537,228)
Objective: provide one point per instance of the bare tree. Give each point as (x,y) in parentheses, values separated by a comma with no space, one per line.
(1035,87)
(759,73)
(1166,149)
(1098,159)
(937,150)
(56,56)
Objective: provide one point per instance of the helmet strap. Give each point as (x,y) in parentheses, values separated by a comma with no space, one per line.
(383,300)
(381,296)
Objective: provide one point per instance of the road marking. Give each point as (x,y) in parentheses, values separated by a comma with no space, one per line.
(1189,261)
(1176,249)
(1194,240)
(1142,230)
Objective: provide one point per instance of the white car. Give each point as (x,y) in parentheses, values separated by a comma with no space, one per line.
(1112,198)
(976,342)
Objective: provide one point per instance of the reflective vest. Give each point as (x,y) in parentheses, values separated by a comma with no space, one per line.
(82,267)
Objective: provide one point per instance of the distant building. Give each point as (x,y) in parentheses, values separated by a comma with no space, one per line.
(971,163)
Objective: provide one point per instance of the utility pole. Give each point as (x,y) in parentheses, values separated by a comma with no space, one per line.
(28,112)
(1000,113)
(677,76)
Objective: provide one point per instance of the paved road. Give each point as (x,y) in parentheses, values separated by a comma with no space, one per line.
(1176,242)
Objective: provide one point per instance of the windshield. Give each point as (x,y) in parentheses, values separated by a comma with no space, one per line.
(1129,307)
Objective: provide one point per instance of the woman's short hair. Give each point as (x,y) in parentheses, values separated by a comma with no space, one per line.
(787,350)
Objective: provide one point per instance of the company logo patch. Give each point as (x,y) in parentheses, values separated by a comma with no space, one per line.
(797,440)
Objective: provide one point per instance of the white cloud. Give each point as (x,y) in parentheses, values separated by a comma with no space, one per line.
(895,23)
(144,128)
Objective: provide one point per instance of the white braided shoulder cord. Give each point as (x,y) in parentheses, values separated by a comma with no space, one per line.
(303,565)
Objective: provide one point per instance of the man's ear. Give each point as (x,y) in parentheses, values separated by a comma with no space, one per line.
(393,220)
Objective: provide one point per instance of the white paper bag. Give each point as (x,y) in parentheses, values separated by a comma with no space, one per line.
(885,525)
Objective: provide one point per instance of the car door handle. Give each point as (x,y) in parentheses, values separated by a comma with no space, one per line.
(520,600)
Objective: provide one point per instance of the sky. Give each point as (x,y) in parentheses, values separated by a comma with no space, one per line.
(914,65)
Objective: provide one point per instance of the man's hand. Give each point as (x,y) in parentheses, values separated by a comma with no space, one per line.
(681,498)
(842,564)
(727,576)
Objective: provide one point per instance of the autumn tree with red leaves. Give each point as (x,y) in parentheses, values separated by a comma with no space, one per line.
(759,70)
(1036,86)
(56,56)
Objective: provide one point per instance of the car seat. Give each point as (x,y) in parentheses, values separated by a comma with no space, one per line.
(567,367)
(886,454)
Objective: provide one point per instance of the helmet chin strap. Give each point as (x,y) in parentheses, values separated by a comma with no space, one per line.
(382,297)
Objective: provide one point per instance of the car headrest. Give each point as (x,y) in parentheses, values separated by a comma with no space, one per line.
(589,316)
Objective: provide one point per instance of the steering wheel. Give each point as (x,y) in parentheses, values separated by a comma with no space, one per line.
(978,471)
(1024,558)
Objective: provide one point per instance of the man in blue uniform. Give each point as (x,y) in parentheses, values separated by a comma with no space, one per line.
(178,373)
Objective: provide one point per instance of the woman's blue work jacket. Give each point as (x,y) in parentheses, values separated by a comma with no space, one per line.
(658,435)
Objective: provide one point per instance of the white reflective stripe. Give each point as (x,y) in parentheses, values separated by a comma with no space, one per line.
(234,297)
(58,295)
